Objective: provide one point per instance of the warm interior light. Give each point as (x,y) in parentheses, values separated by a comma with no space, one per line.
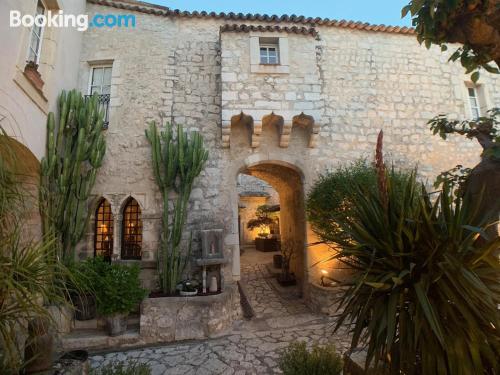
(324,272)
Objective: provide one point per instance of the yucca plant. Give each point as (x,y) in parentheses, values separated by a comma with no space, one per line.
(29,275)
(424,292)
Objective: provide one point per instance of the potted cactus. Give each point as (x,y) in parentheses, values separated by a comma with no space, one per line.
(118,294)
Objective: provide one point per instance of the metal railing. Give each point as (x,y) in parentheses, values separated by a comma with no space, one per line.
(104,103)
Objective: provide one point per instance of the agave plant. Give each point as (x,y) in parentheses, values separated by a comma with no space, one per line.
(424,290)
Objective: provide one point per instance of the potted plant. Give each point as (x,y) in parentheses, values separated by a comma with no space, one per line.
(84,283)
(189,288)
(118,294)
(263,219)
(288,250)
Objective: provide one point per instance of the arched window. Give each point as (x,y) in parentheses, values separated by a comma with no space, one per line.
(103,241)
(131,230)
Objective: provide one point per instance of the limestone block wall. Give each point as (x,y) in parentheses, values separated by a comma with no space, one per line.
(352,82)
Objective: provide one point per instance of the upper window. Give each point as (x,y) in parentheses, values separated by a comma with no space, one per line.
(132,230)
(269,51)
(100,80)
(475,108)
(35,46)
(103,243)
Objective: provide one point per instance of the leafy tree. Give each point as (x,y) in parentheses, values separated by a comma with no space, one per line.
(476,25)
(473,23)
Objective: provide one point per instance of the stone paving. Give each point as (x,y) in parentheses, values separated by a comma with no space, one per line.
(253,347)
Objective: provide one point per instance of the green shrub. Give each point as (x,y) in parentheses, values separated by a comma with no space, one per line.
(123,368)
(87,275)
(297,360)
(119,289)
(424,288)
(332,196)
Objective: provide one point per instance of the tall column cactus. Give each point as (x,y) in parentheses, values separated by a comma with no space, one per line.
(75,150)
(176,163)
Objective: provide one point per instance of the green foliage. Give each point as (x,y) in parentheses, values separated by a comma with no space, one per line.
(263,218)
(28,274)
(122,368)
(332,197)
(424,289)
(118,289)
(87,275)
(297,360)
(74,154)
(444,21)
(177,161)
(485,129)
(453,178)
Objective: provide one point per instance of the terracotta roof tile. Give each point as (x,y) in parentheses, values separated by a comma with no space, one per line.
(159,10)
(275,28)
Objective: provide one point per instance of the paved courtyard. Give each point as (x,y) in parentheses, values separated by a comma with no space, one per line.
(253,346)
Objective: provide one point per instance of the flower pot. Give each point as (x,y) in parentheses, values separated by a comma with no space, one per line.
(85,306)
(116,324)
(185,293)
(287,281)
(39,351)
(277,260)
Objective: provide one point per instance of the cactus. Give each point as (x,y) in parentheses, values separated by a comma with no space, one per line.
(176,163)
(74,154)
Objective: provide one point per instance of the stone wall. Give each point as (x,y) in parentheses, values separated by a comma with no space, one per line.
(186,318)
(349,84)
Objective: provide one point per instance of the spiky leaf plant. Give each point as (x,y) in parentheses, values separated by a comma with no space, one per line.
(424,292)
(29,276)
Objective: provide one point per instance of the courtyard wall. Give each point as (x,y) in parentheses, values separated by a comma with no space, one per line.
(189,71)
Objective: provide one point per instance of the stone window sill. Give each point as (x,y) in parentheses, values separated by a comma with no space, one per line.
(270,68)
(31,83)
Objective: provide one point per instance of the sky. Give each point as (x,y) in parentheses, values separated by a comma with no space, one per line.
(386,12)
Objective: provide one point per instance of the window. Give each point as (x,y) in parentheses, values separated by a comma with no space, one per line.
(475,108)
(131,230)
(269,51)
(100,80)
(35,46)
(103,243)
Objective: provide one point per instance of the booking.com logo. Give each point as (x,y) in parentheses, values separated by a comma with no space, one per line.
(79,21)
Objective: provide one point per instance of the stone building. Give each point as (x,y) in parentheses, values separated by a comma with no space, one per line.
(282,99)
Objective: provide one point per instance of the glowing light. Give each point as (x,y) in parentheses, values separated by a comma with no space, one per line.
(324,272)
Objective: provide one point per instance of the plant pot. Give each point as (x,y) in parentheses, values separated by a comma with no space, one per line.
(287,281)
(85,306)
(266,244)
(185,293)
(116,324)
(39,351)
(277,260)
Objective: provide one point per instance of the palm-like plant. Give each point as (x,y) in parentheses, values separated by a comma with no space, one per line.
(424,291)
(29,274)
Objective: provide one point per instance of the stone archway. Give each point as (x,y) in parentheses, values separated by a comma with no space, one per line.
(287,180)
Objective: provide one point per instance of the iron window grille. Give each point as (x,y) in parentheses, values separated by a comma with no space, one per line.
(132,231)
(103,105)
(103,240)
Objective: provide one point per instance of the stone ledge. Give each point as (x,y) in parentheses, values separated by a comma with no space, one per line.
(167,319)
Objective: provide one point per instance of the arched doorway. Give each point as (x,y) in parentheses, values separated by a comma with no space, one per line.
(287,181)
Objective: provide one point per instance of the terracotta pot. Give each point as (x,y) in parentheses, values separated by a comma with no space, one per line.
(116,324)
(85,306)
(39,350)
